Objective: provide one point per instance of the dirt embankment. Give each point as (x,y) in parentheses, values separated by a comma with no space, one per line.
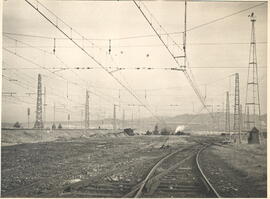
(237,170)
(20,136)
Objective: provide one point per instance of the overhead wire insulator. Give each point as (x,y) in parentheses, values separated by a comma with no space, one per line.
(145,94)
(110,46)
(54,46)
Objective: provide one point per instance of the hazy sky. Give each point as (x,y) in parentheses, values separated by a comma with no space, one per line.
(215,52)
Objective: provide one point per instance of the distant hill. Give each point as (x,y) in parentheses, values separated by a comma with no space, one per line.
(191,122)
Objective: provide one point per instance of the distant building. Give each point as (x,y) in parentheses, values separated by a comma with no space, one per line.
(254,137)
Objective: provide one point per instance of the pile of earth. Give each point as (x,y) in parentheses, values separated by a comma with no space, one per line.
(19,136)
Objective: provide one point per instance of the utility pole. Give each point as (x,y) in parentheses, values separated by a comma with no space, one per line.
(81,119)
(218,115)
(145,95)
(139,117)
(86,125)
(54,113)
(205,91)
(39,121)
(227,121)
(114,117)
(68,120)
(252,92)
(123,119)
(119,97)
(28,115)
(132,122)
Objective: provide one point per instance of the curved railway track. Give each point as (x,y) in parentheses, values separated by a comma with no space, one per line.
(184,179)
(177,174)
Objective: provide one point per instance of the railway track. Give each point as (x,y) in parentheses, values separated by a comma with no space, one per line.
(184,179)
(177,174)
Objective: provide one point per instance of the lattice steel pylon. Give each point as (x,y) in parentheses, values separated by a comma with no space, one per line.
(44,107)
(86,119)
(227,119)
(236,115)
(39,121)
(252,105)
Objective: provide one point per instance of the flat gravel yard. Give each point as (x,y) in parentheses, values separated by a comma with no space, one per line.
(49,168)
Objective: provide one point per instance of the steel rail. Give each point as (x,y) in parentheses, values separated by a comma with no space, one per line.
(204,178)
(139,192)
(148,178)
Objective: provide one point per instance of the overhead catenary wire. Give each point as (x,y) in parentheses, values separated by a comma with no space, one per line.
(209,67)
(224,17)
(32,83)
(16,82)
(193,85)
(144,36)
(25,86)
(61,68)
(130,68)
(157,34)
(90,56)
(107,99)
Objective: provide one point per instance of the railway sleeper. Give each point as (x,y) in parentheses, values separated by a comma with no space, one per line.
(177,186)
(105,190)
(112,185)
(91,195)
(162,194)
(176,190)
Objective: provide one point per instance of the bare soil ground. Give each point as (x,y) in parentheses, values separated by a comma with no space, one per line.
(237,170)
(19,136)
(49,168)
(65,162)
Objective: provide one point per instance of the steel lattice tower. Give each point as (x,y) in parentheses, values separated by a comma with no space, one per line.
(252,93)
(44,107)
(39,122)
(227,121)
(240,123)
(86,124)
(236,118)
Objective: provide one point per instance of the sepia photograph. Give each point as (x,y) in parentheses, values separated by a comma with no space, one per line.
(134,99)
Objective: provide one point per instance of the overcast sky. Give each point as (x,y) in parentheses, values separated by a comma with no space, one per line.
(214,51)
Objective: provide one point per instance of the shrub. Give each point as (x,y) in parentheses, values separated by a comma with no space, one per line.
(53,127)
(17,125)
(59,126)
